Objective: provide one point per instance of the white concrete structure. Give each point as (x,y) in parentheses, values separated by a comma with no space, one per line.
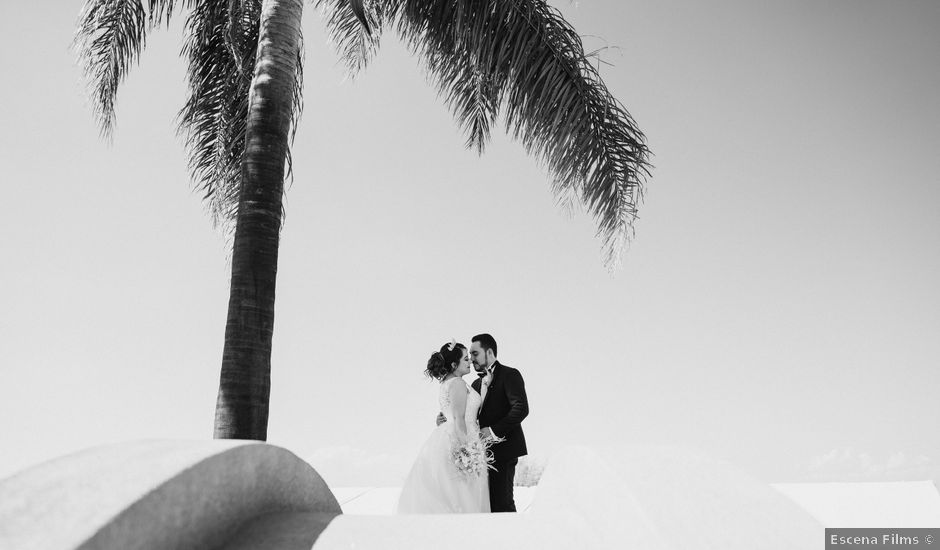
(868,504)
(381,501)
(236,495)
(157,494)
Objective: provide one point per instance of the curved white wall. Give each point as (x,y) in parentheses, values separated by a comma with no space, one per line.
(156,494)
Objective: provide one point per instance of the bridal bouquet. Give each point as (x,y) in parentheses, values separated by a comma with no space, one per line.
(474,457)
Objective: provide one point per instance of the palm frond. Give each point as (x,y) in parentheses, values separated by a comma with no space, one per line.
(360,13)
(109,39)
(221,46)
(473,97)
(520,58)
(355,42)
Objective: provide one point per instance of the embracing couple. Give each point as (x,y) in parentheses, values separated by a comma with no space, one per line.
(469,461)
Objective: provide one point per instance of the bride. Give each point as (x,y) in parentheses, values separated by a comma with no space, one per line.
(439,481)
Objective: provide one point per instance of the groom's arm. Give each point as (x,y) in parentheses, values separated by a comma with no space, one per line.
(518,404)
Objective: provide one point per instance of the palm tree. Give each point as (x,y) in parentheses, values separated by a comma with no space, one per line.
(518,60)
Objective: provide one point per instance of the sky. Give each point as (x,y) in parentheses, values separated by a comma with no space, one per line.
(777,308)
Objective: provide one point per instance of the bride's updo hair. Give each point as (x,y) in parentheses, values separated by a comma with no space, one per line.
(443,362)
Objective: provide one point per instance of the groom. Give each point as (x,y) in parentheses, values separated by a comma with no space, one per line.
(504,407)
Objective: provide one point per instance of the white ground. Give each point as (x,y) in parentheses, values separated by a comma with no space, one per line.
(869,504)
(895,504)
(381,500)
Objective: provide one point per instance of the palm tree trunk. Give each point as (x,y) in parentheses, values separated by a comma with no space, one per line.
(244,389)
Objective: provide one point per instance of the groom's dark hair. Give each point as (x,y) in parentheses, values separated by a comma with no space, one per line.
(486,342)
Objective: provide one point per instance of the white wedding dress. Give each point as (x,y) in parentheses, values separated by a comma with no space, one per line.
(434,485)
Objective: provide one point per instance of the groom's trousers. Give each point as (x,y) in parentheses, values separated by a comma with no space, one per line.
(501,480)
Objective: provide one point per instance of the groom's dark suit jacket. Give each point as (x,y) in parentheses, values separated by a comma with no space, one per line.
(503,409)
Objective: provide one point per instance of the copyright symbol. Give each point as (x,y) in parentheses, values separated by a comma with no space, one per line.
(929,539)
